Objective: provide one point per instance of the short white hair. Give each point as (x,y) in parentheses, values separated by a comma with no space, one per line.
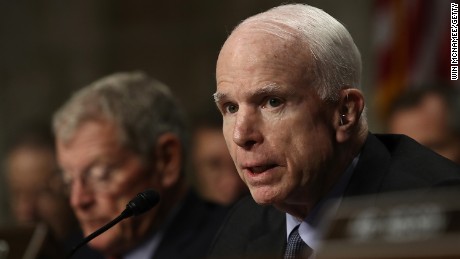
(141,107)
(336,59)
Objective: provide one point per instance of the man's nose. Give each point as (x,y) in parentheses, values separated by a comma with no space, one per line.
(246,131)
(80,196)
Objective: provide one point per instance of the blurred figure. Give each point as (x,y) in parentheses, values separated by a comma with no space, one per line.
(215,174)
(35,187)
(36,195)
(431,116)
(117,137)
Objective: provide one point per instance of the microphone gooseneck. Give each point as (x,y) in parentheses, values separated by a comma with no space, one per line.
(143,202)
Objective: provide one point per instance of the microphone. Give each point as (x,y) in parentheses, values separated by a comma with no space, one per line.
(143,202)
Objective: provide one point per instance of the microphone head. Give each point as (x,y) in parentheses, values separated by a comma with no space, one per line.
(143,202)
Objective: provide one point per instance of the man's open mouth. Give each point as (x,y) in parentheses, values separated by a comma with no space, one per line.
(260,169)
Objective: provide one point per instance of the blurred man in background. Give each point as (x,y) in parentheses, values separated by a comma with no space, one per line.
(431,116)
(214,172)
(36,193)
(117,137)
(31,174)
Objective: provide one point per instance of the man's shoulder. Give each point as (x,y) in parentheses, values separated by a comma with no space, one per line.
(410,160)
(250,230)
(200,215)
(191,229)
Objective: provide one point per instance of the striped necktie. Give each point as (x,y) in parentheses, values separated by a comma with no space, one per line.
(296,248)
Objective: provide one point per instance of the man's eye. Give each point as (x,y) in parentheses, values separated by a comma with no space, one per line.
(99,173)
(231,108)
(274,102)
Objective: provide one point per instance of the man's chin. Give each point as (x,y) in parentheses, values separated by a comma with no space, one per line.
(104,245)
(265,196)
(107,242)
(98,245)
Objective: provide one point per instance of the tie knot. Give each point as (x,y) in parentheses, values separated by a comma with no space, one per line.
(296,247)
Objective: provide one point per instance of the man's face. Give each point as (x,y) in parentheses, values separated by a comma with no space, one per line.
(29,171)
(214,168)
(277,129)
(103,177)
(427,122)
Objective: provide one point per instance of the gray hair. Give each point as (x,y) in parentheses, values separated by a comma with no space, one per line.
(337,61)
(142,108)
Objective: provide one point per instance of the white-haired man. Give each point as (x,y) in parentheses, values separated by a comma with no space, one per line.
(117,137)
(288,89)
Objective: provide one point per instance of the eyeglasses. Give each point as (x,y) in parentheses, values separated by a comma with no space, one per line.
(97,177)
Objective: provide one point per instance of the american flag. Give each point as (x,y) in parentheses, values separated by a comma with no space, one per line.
(412,44)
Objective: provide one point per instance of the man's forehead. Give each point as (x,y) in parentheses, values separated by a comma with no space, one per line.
(247,50)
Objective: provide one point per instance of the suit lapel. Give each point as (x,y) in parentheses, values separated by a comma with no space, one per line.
(270,237)
(371,169)
(273,241)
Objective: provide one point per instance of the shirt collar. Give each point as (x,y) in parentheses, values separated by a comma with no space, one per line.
(146,249)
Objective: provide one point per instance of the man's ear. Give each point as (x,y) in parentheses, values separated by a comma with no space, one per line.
(348,113)
(168,156)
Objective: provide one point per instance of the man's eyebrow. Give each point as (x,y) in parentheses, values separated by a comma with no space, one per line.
(272,88)
(218,96)
(268,89)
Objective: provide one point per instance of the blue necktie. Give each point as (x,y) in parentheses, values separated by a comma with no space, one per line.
(296,248)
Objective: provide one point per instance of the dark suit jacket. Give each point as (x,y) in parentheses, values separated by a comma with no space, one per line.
(387,163)
(191,231)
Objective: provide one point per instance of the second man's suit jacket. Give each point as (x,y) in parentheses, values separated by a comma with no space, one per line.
(190,232)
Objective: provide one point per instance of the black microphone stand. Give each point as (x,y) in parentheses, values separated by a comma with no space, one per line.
(122,216)
(140,204)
